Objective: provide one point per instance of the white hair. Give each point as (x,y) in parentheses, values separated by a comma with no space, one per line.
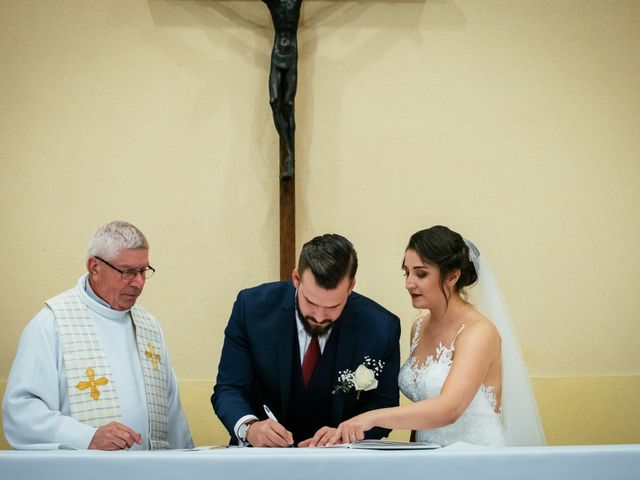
(113,237)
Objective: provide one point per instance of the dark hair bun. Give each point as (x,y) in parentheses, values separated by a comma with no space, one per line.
(468,274)
(447,249)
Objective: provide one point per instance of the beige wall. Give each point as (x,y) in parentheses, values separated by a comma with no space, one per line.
(516,123)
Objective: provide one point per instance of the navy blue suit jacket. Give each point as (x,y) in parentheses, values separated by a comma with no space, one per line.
(256,361)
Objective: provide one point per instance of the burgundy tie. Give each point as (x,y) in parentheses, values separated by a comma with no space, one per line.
(310,360)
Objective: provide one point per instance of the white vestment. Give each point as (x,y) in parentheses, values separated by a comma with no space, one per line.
(36,410)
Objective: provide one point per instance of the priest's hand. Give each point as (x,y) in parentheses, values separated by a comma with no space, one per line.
(320,439)
(269,433)
(114,436)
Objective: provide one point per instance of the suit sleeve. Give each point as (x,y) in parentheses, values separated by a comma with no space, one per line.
(386,394)
(231,394)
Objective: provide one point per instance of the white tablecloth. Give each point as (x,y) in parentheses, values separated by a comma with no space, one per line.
(607,462)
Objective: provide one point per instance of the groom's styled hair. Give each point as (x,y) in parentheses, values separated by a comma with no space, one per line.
(330,257)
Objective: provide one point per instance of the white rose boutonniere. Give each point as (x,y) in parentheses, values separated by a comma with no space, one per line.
(365,377)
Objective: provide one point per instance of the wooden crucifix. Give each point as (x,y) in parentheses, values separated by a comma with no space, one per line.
(283,81)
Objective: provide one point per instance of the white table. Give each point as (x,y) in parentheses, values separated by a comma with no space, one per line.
(605,462)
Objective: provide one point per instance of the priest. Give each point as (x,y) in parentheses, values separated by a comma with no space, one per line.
(92,369)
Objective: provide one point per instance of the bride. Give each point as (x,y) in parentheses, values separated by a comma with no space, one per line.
(465,373)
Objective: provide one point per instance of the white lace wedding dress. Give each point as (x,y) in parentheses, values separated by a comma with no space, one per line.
(479,424)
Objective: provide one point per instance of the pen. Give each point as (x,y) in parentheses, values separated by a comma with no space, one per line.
(272,417)
(269,413)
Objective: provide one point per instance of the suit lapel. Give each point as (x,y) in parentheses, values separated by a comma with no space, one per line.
(286,332)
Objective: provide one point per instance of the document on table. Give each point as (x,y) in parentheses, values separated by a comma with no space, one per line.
(201,448)
(371,444)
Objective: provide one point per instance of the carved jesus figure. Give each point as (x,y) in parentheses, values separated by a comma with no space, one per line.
(283,76)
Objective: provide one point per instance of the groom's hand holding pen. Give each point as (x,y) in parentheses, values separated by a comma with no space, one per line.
(269,433)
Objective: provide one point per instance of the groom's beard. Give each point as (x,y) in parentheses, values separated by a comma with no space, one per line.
(313,329)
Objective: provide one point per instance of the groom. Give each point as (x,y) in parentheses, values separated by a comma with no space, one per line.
(287,343)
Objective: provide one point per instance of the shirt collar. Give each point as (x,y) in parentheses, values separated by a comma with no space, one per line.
(92,294)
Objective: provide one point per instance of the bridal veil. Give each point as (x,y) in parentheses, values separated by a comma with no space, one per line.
(519,409)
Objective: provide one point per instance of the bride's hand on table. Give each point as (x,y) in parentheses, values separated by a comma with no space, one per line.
(351,430)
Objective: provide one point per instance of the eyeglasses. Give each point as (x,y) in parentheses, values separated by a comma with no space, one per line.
(130,274)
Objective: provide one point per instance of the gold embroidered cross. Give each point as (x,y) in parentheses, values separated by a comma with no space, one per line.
(152,355)
(92,383)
